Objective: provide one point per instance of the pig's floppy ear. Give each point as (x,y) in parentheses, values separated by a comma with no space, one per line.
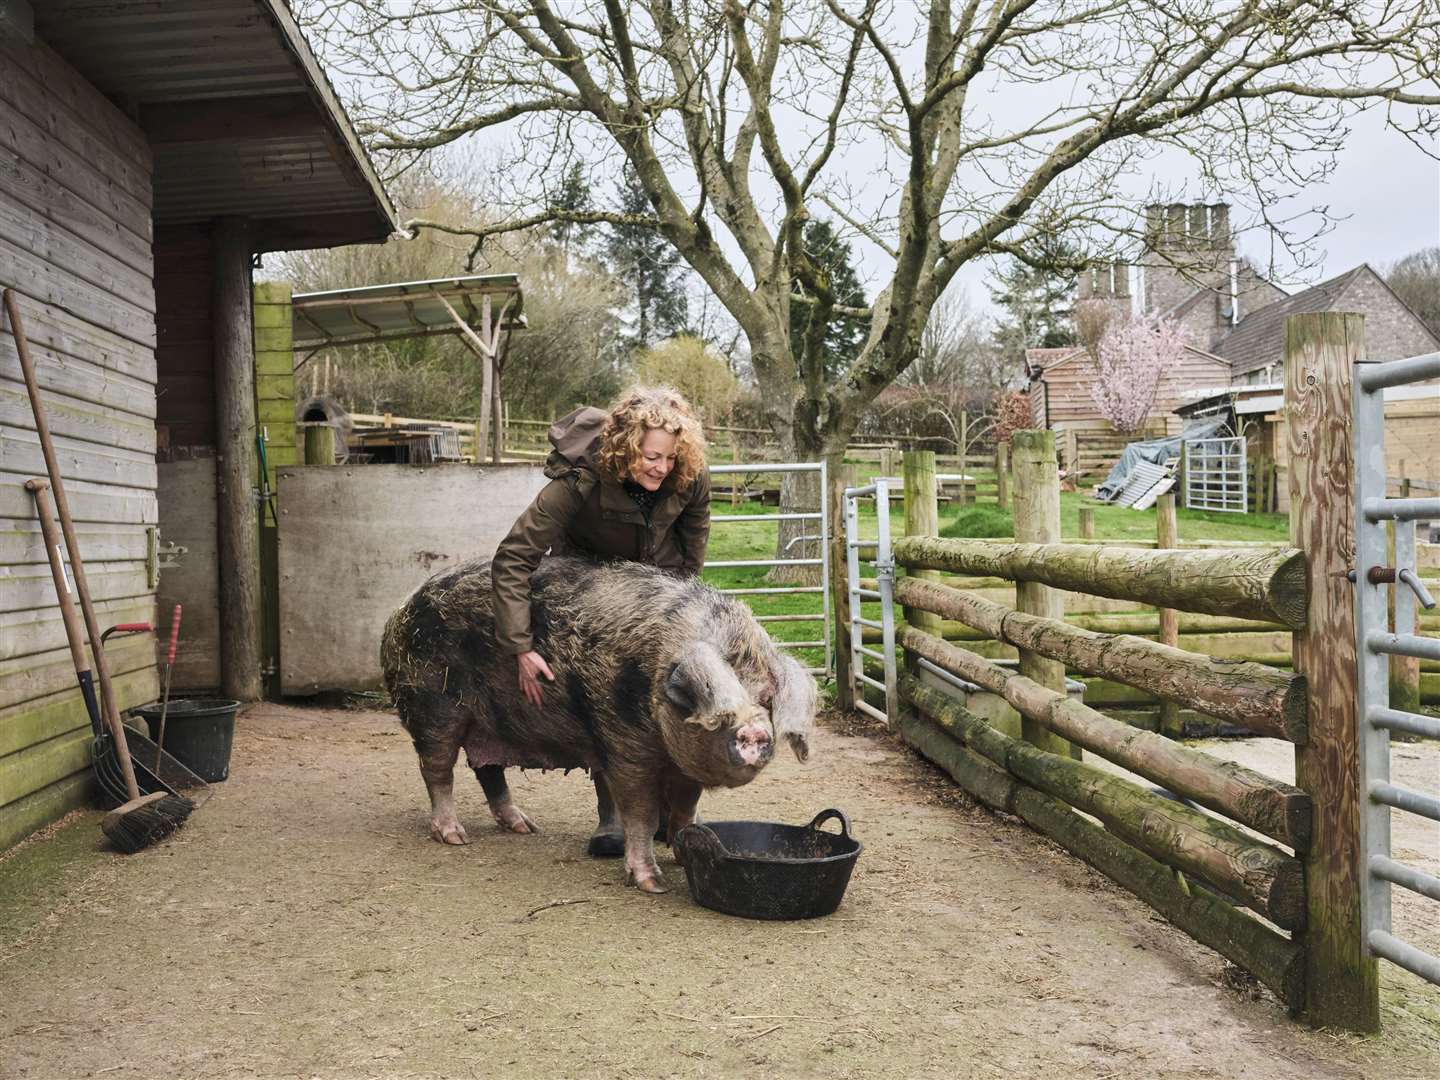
(702,685)
(793,709)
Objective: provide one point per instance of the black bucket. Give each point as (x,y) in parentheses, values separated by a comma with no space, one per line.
(198,732)
(763,870)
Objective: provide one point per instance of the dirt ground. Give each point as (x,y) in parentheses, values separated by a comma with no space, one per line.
(302,924)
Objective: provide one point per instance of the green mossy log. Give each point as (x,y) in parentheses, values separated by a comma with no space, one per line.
(1266,805)
(1268,584)
(1273,959)
(1263,877)
(1265,700)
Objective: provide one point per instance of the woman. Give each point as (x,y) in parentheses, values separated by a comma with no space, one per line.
(627,484)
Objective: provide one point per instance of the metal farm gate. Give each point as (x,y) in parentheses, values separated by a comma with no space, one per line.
(1377,577)
(822,519)
(1215,476)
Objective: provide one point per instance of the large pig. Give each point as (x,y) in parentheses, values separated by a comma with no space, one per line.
(661,683)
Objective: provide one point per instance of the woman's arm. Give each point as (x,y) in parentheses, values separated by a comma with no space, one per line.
(693,524)
(533,534)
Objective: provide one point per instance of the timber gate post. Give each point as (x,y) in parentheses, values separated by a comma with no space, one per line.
(1002,472)
(1037,521)
(1167,535)
(1321,350)
(922,518)
(840,476)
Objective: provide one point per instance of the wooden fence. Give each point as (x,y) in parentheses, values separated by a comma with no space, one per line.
(1265,872)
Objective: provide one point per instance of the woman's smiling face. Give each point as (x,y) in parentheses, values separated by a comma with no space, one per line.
(657,458)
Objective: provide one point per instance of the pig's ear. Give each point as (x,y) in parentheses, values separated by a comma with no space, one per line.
(702,685)
(793,710)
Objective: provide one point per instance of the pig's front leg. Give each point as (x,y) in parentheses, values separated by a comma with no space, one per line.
(682,795)
(638,800)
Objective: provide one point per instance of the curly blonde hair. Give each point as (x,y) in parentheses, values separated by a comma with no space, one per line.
(635,412)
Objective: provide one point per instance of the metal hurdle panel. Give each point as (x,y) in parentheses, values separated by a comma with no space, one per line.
(1375,643)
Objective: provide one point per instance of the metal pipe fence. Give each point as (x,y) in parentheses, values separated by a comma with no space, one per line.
(1375,582)
(822,516)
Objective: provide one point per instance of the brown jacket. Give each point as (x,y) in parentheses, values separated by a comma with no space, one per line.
(582,512)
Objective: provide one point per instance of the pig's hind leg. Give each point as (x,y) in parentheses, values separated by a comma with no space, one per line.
(437,730)
(497,794)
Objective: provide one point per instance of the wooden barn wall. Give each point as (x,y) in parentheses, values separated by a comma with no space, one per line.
(355,541)
(1070,404)
(184,353)
(75,244)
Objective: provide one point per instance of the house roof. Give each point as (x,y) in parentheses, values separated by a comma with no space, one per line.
(1259,339)
(237,110)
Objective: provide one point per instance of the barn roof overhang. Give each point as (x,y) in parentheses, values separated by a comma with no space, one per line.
(370,314)
(238,112)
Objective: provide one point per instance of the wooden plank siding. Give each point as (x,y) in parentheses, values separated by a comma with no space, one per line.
(1067,388)
(185,353)
(75,244)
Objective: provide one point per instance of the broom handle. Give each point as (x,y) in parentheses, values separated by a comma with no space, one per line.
(77,569)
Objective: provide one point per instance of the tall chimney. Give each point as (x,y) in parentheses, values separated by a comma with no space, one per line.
(1199,231)
(1220,226)
(1175,222)
(1154,223)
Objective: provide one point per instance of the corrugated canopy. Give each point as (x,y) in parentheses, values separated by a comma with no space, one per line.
(373,313)
(237,110)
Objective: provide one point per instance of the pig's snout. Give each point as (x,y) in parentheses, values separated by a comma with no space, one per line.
(752,745)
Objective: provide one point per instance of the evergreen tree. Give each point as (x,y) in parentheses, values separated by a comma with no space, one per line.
(845,333)
(1038,303)
(649,266)
(573,195)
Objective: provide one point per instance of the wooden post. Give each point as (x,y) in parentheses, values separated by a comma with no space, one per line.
(887,461)
(1167,535)
(1341,983)
(964,454)
(1087,523)
(486,356)
(319,444)
(237,527)
(1002,475)
(922,518)
(1181,478)
(1037,521)
(841,477)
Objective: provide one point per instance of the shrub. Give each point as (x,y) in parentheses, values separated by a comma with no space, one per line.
(980,520)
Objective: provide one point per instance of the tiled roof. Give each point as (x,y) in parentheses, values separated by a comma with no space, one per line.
(1260,338)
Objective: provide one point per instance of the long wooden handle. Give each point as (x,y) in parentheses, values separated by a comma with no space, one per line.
(62,506)
(73,634)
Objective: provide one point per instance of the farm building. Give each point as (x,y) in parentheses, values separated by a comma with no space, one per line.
(1232,318)
(1256,411)
(149,157)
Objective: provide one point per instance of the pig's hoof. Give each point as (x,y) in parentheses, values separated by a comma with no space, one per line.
(448,832)
(515,820)
(653,885)
(606,845)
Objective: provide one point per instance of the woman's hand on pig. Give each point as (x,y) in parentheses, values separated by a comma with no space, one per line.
(532,666)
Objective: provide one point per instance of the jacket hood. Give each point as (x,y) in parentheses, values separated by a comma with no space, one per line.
(576,438)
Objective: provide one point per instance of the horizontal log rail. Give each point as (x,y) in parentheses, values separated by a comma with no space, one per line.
(1266,805)
(1271,957)
(1250,870)
(1268,584)
(1265,700)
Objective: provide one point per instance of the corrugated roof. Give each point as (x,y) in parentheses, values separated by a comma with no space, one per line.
(238,111)
(402,309)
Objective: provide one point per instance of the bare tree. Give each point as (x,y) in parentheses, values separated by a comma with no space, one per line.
(983,127)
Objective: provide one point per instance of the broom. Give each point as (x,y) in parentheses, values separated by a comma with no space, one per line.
(140,821)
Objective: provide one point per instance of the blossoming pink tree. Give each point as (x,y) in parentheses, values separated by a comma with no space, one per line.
(1130,359)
